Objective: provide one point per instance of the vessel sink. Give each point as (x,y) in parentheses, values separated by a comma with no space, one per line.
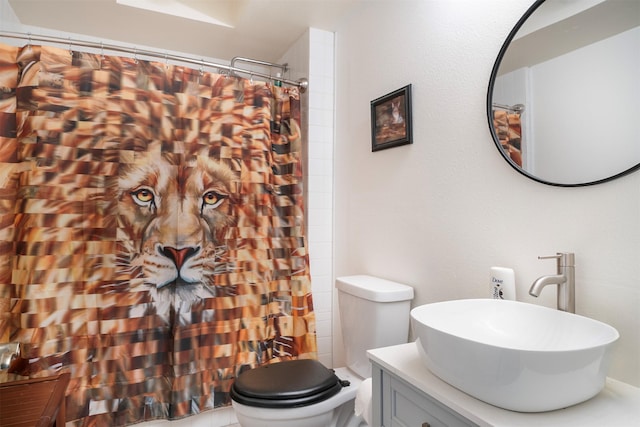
(514,355)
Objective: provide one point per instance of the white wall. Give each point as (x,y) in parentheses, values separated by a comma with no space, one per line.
(598,123)
(437,214)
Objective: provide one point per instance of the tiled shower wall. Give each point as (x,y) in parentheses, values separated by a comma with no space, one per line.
(313,56)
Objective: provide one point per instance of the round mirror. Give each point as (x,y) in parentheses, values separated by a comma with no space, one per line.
(564,95)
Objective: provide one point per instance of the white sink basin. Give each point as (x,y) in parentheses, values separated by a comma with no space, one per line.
(514,355)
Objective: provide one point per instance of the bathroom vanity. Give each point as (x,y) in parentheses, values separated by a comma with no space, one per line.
(407,394)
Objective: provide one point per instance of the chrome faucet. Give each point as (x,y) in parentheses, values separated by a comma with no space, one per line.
(565,279)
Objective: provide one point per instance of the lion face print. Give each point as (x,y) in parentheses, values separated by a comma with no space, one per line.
(172,213)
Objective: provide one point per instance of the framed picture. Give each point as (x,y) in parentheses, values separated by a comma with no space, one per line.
(391,120)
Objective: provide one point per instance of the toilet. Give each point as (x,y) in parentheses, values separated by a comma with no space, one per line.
(374,313)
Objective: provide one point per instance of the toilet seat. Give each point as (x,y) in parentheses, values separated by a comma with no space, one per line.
(288,384)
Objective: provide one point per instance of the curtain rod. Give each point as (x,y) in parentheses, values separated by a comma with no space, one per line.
(302,83)
(516,108)
(284,67)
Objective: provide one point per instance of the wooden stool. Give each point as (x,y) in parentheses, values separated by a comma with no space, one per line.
(34,402)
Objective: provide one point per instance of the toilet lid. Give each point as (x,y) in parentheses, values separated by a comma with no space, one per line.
(288,384)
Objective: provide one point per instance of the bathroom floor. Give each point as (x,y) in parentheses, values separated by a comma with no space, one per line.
(224,417)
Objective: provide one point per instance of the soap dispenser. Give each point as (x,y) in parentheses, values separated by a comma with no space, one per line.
(502,283)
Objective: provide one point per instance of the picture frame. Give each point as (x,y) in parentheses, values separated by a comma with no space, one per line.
(391,122)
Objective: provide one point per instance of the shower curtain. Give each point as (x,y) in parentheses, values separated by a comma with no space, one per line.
(152,238)
(508,127)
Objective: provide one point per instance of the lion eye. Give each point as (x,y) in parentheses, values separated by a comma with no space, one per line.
(143,197)
(212,199)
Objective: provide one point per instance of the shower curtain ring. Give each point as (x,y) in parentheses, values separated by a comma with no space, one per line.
(135,55)
(29,42)
(70,50)
(201,66)
(166,61)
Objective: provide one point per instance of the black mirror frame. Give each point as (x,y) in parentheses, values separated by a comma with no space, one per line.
(492,79)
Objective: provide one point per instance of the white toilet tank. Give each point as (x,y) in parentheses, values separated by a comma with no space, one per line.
(374,313)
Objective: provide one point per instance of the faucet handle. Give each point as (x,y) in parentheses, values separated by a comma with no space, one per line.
(565,259)
(550,256)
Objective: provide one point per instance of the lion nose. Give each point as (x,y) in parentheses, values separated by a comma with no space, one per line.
(178,256)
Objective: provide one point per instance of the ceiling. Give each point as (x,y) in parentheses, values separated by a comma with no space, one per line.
(220,29)
(550,32)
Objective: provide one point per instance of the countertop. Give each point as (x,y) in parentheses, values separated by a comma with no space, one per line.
(618,404)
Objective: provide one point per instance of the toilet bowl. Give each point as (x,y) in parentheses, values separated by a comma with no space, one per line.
(335,411)
(300,393)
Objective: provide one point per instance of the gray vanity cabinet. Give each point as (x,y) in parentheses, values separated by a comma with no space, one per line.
(396,403)
(407,394)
